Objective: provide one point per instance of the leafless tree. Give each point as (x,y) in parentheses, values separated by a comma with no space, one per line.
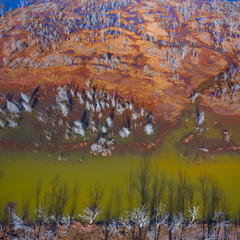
(142,181)
(90,214)
(96,195)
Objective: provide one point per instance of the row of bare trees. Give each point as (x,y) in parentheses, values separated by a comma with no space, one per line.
(151,206)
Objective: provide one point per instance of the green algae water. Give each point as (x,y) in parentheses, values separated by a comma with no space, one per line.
(22,170)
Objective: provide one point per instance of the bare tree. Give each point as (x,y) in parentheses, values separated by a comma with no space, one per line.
(90,214)
(130,190)
(57,198)
(26,201)
(37,193)
(141,218)
(96,195)
(160,220)
(142,181)
(204,191)
(74,199)
(158,186)
(170,205)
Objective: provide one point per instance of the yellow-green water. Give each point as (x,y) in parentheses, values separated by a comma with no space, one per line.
(22,170)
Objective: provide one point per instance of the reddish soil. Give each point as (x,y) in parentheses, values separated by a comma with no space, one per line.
(127,61)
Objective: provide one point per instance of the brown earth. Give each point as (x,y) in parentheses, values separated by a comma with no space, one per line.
(78,230)
(124,61)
